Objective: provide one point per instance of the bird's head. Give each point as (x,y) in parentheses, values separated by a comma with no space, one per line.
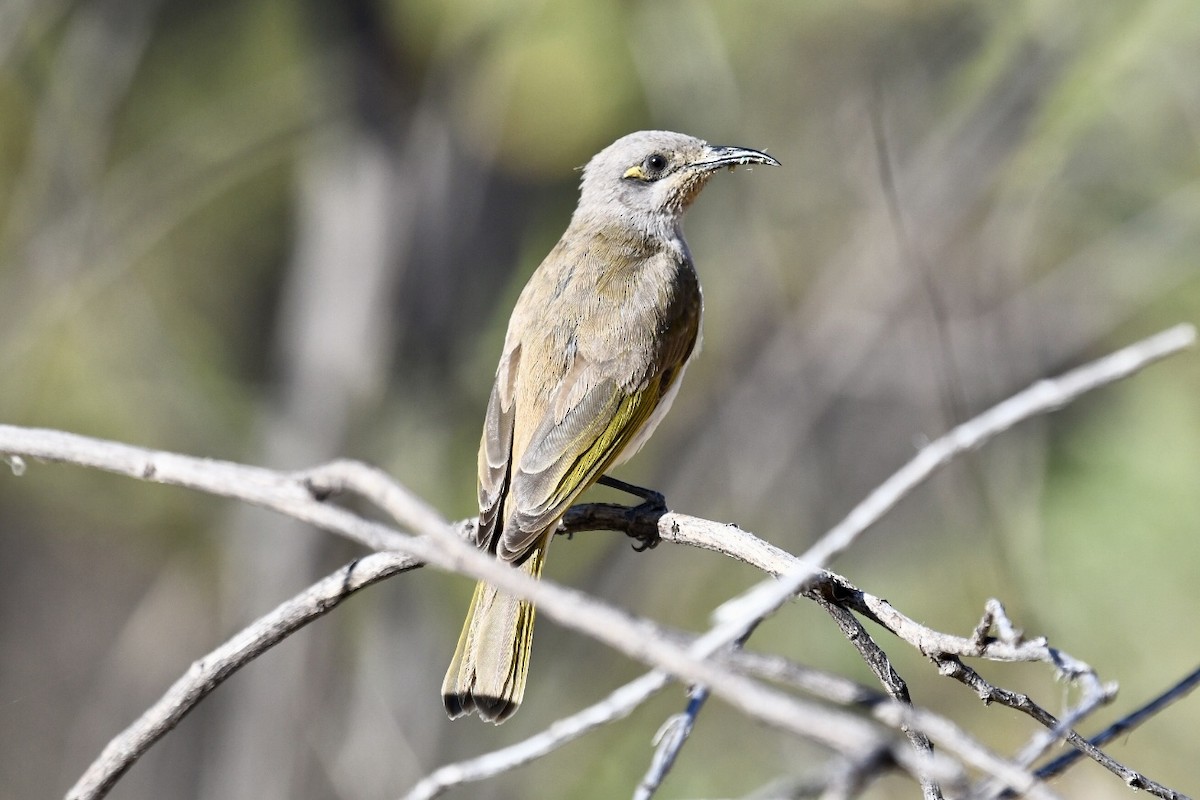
(649,178)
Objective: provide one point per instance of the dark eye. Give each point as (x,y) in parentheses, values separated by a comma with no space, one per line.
(651,168)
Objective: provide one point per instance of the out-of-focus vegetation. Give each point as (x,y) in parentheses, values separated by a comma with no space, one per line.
(280,232)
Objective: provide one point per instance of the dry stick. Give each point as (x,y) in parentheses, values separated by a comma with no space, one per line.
(273,490)
(1045,739)
(1009,645)
(846,779)
(1121,726)
(838,689)
(638,638)
(640,523)
(1042,397)
(668,741)
(746,547)
(954,668)
(209,672)
(1046,394)
(893,684)
(945,650)
(618,705)
(673,734)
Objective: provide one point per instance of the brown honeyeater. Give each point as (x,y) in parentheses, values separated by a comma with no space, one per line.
(595,349)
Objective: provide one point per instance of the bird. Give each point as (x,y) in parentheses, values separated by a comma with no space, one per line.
(592,359)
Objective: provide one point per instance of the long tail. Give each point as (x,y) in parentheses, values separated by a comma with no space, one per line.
(491,661)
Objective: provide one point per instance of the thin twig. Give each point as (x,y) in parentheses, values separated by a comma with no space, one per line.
(617,705)
(209,672)
(669,740)
(1121,727)
(1042,397)
(893,684)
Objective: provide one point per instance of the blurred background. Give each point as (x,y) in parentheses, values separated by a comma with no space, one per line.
(280,232)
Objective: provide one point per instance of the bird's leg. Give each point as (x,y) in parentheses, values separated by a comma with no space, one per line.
(649,496)
(643,518)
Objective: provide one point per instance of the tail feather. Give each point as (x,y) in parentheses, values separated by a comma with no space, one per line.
(491,663)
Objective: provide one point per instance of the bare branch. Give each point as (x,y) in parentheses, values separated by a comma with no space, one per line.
(1091,746)
(893,684)
(299,496)
(616,706)
(372,483)
(638,638)
(1040,398)
(945,649)
(668,741)
(209,672)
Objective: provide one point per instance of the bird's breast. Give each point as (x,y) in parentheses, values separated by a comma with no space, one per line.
(629,306)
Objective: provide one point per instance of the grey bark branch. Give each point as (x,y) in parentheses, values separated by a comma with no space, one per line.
(1129,722)
(1042,397)
(638,638)
(209,672)
(893,684)
(297,495)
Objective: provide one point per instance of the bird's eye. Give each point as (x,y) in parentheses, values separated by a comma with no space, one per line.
(653,167)
(655,163)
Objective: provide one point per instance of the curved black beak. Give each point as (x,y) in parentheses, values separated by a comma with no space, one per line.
(717,156)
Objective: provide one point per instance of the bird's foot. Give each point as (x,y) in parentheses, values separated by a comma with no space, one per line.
(643,518)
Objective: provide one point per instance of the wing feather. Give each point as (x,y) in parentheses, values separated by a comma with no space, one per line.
(565,458)
(495,450)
